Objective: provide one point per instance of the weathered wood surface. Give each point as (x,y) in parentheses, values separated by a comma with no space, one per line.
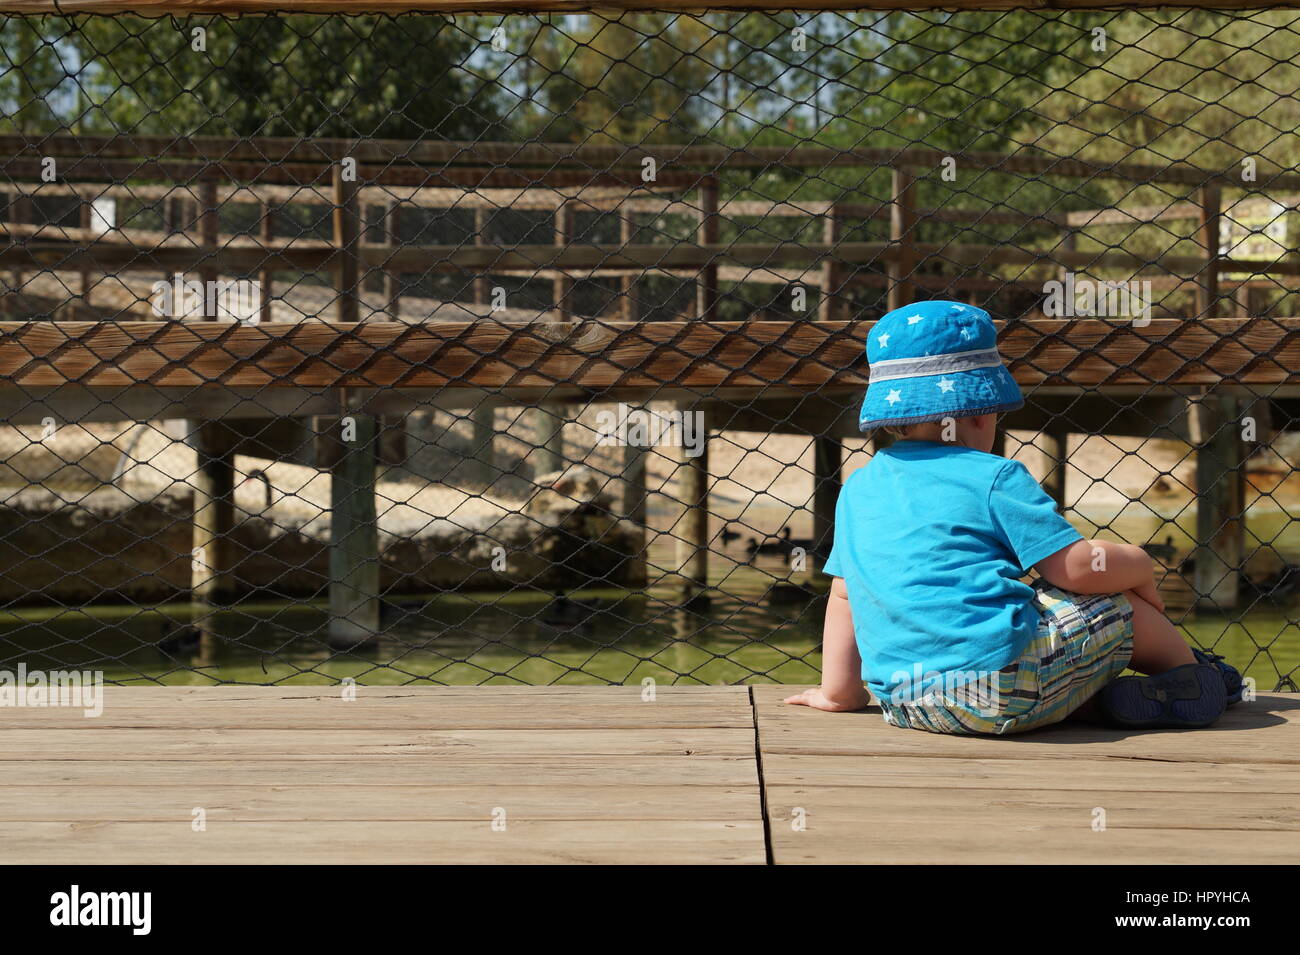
(598,774)
(871,793)
(301,774)
(609,356)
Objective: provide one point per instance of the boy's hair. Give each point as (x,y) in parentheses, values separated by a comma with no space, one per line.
(905,430)
(899,430)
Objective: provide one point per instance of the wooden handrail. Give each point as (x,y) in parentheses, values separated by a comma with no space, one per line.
(600,356)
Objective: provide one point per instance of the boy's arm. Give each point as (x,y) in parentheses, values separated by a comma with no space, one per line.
(1102,567)
(841,689)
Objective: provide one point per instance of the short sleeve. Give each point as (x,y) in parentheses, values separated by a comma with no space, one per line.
(1025,516)
(839,541)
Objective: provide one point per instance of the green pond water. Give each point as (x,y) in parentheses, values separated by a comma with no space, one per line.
(522,637)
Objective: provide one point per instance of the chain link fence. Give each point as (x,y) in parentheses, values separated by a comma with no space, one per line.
(527,348)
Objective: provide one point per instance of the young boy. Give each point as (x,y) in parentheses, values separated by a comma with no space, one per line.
(931,540)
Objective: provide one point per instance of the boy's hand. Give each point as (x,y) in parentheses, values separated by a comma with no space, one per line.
(818,700)
(1149,593)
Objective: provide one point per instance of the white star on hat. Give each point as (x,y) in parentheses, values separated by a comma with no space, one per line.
(894,397)
(883,339)
(913,319)
(946,385)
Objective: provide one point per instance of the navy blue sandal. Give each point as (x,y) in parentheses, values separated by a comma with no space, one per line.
(1232,681)
(1186,697)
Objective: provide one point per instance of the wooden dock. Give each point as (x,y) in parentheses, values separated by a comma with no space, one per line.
(601,774)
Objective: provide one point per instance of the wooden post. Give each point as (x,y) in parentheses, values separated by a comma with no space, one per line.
(693,472)
(563,285)
(1220,487)
(1207,298)
(828,457)
(347,230)
(1241,298)
(1054,441)
(354,539)
(706,293)
(87,222)
(20,211)
(634,458)
(267,277)
(392,277)
(634,506)
(692,532)
(902,235)
(548,420)
(212,536)
(832,273)
(627,284)
(211,581)
(483,416)
(354,530)
(482,283)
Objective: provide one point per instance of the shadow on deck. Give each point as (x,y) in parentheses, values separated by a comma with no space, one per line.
(596,774)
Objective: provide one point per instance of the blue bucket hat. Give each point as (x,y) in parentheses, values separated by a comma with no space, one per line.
(935,360)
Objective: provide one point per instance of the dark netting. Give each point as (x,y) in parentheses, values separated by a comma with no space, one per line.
(527,348)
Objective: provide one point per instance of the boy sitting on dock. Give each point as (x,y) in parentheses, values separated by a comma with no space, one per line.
(932,539)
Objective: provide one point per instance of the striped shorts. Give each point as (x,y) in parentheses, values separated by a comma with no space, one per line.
(1083,642)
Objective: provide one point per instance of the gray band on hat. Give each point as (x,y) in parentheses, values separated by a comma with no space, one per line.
(895,368)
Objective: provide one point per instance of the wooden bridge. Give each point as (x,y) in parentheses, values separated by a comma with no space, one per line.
(348,348)
(602,774)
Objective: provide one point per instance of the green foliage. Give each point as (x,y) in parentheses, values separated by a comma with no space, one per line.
(368,76)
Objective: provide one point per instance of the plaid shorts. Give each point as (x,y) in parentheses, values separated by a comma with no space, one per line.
(1083,642)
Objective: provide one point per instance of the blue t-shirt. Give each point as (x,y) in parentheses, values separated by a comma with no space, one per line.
(931,540)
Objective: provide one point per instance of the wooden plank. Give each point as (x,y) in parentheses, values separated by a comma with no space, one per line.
(844,826)
(234,801)
(249,255)
(1092,773)
(340,715)
(366,745)
(698,771)
(611,355)
(373,695)
(849,788)
(589,841)
(1255,733)
(92,168)
(249,154)
(679,782)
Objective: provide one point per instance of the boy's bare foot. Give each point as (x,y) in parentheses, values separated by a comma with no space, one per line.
(818,700)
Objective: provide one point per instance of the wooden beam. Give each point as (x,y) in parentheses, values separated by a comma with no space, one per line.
(91,168)
(270,152)
(311,256)
(607,355)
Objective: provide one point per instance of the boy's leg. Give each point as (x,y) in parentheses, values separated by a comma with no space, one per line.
(1157,644)
(1157,648)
